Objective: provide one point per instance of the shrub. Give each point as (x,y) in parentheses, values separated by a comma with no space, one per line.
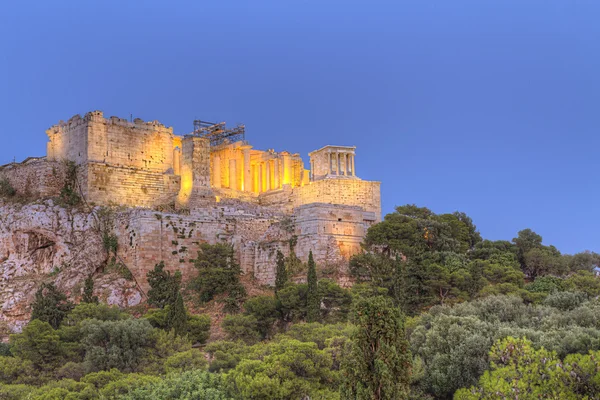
(565,301)
(6,188)
(241,327)
(218,272)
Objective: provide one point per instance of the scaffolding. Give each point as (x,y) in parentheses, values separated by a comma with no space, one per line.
(218,133)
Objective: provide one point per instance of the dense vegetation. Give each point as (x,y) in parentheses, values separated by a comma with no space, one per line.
(436,312)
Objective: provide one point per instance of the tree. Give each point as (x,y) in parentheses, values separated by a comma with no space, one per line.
(264,309)
(218,272)
(377,364)
(313,303)
(164,287)
(88,291)
(115,344)
(281,272)
(520,371)
(50,305)
(177,316)
(38,343)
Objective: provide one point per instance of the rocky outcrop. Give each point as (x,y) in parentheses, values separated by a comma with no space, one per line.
(44,242)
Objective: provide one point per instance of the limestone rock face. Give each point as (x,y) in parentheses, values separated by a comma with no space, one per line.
(46,243)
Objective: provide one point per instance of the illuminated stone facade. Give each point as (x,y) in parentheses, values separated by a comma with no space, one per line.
(259,201)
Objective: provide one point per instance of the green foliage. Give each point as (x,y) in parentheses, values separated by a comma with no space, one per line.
(218,273)
(6,188)
(313,303)
(177,316)
(378,362)
(225,355)
(16,370)
(284,369)
(185,361)
(115,344)
(292,302)
(584,281)
(336,301)
(453,342)
(164,287)
(50,305)
(39,343)
(264,309)
(69,193)
(186,385)
(280,272)
(197,327)
(88,291)
(241,327)
(520,370)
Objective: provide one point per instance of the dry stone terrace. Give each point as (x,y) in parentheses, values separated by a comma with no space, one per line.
(218,191)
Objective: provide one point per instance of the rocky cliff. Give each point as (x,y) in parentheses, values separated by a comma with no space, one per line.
(43,242)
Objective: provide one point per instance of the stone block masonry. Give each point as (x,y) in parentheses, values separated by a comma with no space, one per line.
(35,177)
(258,201)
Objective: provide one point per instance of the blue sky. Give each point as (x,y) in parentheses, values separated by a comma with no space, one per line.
(490,107)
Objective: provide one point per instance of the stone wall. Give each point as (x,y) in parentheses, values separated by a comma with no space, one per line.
(35,177)
(349,192)
(107,184)
(115,141)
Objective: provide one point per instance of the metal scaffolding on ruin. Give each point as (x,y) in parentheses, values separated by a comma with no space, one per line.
(218,133)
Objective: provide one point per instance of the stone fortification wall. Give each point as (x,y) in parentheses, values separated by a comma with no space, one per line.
(35,177)
(195,188)
(115,141)
(348,192)
(147,237)
(107,184)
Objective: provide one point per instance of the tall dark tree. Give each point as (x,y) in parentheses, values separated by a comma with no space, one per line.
(281,272)
(313,303)
(377,363)
(88,291)
(177,316)
(164,287)
(50,305)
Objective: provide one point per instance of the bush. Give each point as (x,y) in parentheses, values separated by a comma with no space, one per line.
(182,386)
(115,344)
(241,327)
(218,272)
(185,361)
(6,188)
(565,301)
(264,309)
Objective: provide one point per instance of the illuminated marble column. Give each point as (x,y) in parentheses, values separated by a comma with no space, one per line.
(263,177)
(232,174)
(177,161)
(247,170)
(342,163)
(217,172)
(269,181)
(276,184)
(353,170)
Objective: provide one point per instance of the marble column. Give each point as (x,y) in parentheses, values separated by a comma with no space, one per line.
(217,172)
(269,181)
(232,174)
(247,170)
(353,170)
(276,173)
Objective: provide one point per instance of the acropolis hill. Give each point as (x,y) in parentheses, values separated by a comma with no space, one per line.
(174,193)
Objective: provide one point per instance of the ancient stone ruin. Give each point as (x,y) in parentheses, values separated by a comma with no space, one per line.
(176,192)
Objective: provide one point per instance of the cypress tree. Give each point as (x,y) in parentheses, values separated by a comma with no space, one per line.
(88,292)
(313,303)
(50,305)
(164,287)
(281,272)
(177,316)
(377,363)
